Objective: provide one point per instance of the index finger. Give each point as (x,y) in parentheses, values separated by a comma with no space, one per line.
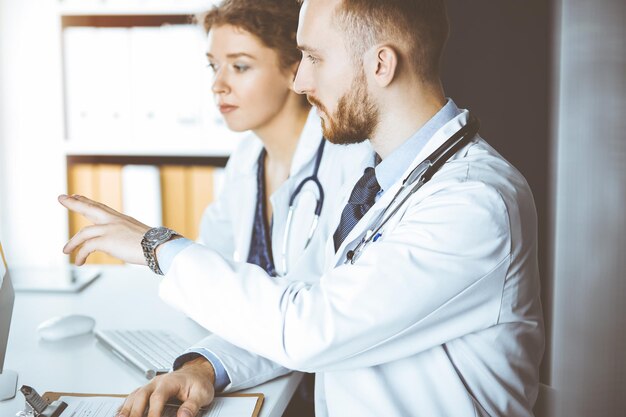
(125,408)
(139,404)
(90,209)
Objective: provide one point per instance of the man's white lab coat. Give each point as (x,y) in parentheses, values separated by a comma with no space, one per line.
(439,317)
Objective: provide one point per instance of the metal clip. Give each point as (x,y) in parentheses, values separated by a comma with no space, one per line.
(38,406)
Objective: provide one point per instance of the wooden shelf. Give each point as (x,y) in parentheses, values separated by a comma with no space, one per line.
(132,7)
(193,148)
(211,161)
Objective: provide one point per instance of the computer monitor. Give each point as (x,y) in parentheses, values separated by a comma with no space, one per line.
(8,379)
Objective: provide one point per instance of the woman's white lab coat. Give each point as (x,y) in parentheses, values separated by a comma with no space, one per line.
(226,225)
(439,317)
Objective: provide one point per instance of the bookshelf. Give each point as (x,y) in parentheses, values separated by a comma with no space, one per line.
(140,123)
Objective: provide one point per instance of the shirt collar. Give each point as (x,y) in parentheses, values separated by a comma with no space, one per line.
(392,167)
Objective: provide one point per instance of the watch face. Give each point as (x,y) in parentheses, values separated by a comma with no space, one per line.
(158,234)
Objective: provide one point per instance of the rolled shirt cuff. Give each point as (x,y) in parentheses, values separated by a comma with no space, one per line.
(221,376)
(169,250)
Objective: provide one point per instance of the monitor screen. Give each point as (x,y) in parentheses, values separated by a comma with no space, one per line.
(3,266)
(6,306)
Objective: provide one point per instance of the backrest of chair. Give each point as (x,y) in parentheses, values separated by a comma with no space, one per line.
(544,407)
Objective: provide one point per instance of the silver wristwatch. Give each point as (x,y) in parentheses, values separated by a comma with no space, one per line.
(151,240)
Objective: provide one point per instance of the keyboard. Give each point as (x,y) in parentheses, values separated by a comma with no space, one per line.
(151,351)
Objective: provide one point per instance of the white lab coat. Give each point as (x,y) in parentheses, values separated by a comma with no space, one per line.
(226,224)
(439,317)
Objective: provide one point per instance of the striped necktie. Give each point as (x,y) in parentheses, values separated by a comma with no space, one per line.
(361,200)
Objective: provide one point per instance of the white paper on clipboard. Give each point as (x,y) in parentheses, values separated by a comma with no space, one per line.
(108,406)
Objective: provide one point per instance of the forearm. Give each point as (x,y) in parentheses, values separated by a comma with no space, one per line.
(417,287)
(235,368)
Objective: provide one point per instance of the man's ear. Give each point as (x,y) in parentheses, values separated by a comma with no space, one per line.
(386,61)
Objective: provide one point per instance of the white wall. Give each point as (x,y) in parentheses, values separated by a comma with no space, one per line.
(33,226)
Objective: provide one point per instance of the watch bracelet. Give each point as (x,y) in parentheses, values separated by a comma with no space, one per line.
(150,256)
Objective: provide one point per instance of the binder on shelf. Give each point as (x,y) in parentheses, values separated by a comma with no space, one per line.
(148,98)
(80,97)
(80,180)
(109,185)
(108,190)
(184,46)
(174,198)
(201,194)
(186,192)
(100,182)
(97,69)
(112,84)
(141,193)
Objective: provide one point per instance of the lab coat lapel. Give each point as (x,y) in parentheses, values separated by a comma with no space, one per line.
(370,218)
(280,207)
(244,219)
(244,215)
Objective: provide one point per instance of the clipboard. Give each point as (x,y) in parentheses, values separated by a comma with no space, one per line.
(54,396)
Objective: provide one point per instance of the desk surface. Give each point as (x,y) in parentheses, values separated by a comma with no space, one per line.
(123,298)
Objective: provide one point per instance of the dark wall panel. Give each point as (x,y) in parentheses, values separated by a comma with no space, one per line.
(497,64)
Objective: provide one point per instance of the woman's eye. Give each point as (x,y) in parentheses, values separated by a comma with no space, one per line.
(212,66)
(240,67)
(312,59)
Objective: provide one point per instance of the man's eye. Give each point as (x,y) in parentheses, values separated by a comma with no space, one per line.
(312,59)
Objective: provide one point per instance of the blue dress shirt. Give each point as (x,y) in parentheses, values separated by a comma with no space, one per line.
(390,169)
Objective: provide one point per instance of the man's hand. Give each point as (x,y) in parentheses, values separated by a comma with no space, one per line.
(112,232)
(192,384)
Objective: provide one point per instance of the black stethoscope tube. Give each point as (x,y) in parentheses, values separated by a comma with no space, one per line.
(318,206)
(419,176)
(313,178)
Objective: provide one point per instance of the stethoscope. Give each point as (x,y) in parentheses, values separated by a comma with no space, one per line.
(313,178)
(419,176)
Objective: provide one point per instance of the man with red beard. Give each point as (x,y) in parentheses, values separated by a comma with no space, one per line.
(430,301)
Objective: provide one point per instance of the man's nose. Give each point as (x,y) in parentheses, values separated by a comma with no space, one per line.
(302,83)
